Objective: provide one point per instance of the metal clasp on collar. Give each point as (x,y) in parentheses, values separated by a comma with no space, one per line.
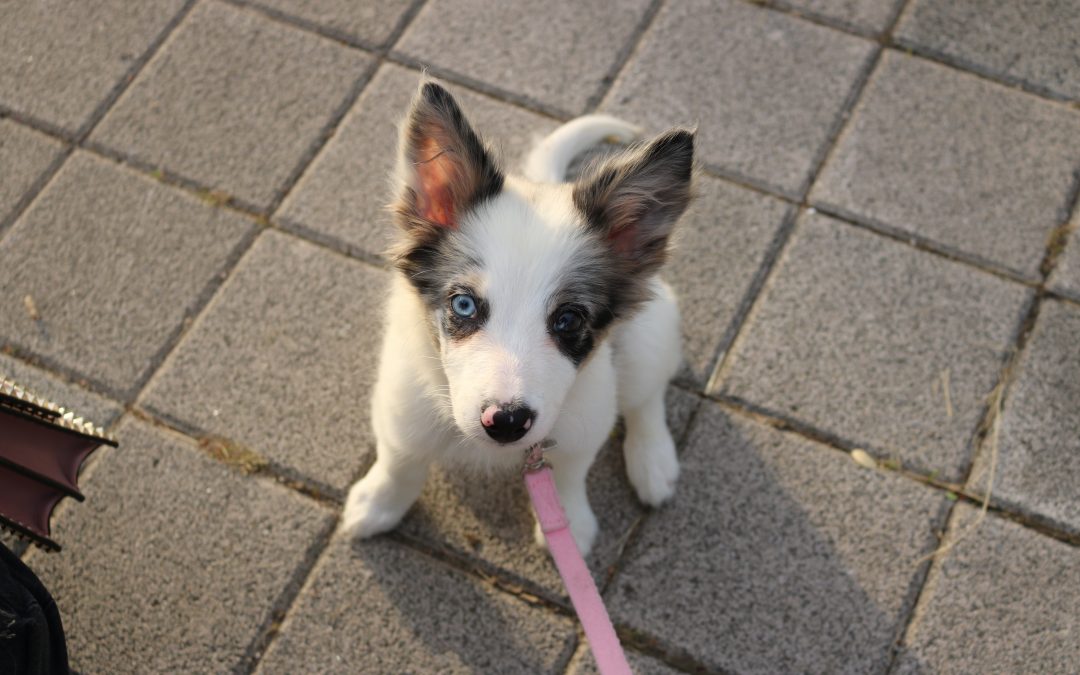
(534,456)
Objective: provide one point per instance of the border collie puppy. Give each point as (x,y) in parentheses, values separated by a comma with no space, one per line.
(525,309)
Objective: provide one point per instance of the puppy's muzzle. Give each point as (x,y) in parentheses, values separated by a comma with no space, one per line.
(507,422)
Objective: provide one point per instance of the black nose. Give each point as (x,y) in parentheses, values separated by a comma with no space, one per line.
(507,423)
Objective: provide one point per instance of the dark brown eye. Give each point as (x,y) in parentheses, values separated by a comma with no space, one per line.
(568,321)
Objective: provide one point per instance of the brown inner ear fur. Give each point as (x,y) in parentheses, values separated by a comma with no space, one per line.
(631,204)
(446,167)
(633,200)
(445,170)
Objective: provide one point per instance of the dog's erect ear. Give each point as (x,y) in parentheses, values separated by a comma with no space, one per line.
(444,165)
(633,200)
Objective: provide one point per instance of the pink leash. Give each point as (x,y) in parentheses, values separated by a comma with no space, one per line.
(609,655)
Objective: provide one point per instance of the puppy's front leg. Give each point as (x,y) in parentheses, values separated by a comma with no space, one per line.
(570,471)
(378,501)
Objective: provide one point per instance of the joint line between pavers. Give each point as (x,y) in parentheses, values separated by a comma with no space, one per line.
(490,91)
(286,598)
(767,270)
(924,244)
(887,41)
(175,180)
(293,21)
(746,303)
(988,424)
(626,53)
(266,636)
(809,432)
(72,140)
(959,63)
(331,128)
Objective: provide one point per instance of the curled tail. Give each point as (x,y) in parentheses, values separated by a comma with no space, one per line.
(550,159)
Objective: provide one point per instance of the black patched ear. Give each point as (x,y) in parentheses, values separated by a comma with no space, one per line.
(444,166)
(633,200)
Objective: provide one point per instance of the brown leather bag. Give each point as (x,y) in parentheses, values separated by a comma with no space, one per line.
(42,446)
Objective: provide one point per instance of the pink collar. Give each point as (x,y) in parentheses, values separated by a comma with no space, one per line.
(610,658)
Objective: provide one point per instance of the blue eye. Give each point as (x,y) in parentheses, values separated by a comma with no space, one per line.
(463,305)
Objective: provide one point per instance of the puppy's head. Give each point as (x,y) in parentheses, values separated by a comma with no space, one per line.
(523,281)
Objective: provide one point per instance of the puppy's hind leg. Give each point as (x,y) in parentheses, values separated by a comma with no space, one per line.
(378,501)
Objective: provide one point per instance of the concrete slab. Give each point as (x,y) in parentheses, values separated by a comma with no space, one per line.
(113,263)
(1066,276)
(378,607)
(60,62)
(174,562)
(558,53)
(1034,43)
(720,246)
(764,96)
(777,555)
(342,197)
(865,16)
(1003,600)
(369,21)
(974,166)
(283,360)
(234,101)
(1038,466)
(489,518)
(585,664)
(24,156)
(98,409)
(857,335)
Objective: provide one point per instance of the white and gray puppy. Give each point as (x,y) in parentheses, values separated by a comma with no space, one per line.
(525,309)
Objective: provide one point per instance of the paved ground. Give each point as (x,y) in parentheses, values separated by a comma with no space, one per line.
(190,197)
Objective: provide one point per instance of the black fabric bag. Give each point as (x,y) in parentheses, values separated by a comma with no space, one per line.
(31,634)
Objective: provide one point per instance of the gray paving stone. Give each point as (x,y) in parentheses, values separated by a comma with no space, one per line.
(60,62)
(1035,43)
(720,246)
(378,607)
(173,562)
(975,166)
(283,359)
(24,156)
(233,100)
(1003,600)
(490,518)
(855,334)
(1066,277)
(555,52)
(100,410)
(113,262)
(870,16)
(585,664)
(764,95)
(343,195)
(777,555)
(1038,468)
(371,21)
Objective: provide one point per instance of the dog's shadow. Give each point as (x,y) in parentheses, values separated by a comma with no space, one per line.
(488,518)
(776,555)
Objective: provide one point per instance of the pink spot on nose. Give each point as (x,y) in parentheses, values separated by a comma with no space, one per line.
(528,424)
(487,418)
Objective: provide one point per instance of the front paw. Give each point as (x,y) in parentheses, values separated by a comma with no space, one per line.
(366,514)
(583,527)
(653,467)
